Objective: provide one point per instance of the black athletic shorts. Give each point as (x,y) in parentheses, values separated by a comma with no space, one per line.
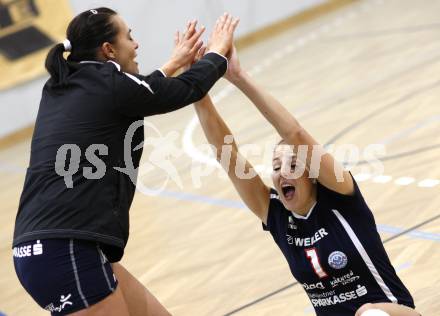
(64,275)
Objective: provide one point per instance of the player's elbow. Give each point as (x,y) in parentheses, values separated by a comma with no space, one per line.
(296,135)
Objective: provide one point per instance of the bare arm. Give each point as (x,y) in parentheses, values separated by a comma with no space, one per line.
(253,191)
(291,130)
(187,45)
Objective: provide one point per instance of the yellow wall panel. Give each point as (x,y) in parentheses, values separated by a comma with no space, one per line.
(28,28)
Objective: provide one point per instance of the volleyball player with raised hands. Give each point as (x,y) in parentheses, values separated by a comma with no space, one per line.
(317,217)
(72,223)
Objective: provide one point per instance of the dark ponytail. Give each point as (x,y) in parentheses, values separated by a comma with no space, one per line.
(56,65)
(86,33)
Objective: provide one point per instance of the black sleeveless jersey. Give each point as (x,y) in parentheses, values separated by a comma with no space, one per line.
(92,115)
(336,254)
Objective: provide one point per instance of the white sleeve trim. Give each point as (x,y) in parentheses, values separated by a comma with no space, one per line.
(115,63)
(90,62)
(227,61)
(163,73)
(274,196)
(139,82)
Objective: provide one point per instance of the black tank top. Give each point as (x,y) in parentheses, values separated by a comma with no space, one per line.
(336,253)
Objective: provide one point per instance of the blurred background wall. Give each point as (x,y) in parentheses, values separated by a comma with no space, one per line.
(153,23)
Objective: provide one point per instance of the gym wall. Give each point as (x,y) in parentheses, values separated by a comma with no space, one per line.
(28,28)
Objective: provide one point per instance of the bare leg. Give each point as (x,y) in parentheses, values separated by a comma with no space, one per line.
(112,305)
(390,308)
(139,300)
(130,298)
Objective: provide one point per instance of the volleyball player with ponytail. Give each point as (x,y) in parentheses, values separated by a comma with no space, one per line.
(70,235)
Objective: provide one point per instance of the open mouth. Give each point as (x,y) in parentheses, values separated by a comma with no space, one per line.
(288,191)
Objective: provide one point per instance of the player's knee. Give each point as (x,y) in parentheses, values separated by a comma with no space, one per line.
(363,308)
(370,309)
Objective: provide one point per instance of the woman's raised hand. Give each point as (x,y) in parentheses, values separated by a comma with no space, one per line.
(197,57)
(186,46)
(234,72)
(222,36)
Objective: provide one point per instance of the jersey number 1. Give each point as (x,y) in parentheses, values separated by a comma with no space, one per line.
(314,260)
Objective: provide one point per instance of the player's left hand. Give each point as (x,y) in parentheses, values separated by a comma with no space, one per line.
(197,57)
(187,45)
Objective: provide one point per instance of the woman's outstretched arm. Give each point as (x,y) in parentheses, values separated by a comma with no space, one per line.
(323,166)
(252,190)
(138,95)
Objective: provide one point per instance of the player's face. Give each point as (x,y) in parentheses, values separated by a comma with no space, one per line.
(125,47)
(291,180)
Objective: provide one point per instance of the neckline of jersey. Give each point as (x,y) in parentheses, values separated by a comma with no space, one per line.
(100,63)
(307,215)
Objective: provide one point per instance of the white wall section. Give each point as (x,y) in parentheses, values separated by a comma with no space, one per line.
(153,24)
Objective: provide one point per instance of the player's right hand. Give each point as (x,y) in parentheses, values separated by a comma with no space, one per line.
(234,72)
(222,36)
